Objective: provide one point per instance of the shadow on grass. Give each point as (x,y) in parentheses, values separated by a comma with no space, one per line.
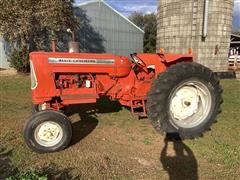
(11,172)
(88,116)
(50,172)
(183,165)
(6,167)
(53,173)
(83,127)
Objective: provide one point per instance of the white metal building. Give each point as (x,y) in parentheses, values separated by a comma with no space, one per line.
(118,34)
(3,57)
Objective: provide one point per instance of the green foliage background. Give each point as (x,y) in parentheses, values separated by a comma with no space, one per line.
(29,25)
(148,23)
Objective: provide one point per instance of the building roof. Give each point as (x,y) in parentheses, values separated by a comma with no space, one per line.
(235,35)
(235,39)
(114,10)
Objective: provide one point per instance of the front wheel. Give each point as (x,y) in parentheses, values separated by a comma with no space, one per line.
(185,100)
(48,131)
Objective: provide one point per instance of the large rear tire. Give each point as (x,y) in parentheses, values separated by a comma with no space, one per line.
(185,100)
(48,131)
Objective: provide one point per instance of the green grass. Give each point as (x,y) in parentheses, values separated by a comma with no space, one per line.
(112,144)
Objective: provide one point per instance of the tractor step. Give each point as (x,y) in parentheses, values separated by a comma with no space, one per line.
(138,108)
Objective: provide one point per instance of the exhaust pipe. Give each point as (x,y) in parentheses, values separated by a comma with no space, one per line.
(73,46)
(54,44)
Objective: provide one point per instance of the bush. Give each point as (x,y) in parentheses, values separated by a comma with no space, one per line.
(19,59)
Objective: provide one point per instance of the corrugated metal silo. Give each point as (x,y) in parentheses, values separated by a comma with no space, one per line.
(203,25)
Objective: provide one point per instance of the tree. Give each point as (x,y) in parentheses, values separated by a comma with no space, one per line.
(148,23)
(138,19)
(29,25)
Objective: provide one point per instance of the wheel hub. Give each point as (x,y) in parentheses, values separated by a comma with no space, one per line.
(190,104)
(48,134)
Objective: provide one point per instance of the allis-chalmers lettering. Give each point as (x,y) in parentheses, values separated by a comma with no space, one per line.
(80,61)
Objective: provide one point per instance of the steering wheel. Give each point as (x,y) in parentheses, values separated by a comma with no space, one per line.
(136,60)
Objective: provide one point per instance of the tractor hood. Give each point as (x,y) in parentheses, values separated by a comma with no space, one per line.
(114,66)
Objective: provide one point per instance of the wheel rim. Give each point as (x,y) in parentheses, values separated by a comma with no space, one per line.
(190,104)
(48,134)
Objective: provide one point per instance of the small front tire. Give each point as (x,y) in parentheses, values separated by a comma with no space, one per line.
(48,131)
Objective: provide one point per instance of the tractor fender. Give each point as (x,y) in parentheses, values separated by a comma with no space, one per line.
(160,62)
(165,59)
(174,58)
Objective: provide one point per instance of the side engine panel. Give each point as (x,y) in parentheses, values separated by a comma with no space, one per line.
(71,76)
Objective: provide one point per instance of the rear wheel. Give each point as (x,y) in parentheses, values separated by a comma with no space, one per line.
(185,100)
(48,131)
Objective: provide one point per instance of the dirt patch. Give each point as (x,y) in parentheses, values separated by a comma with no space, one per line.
(8,72)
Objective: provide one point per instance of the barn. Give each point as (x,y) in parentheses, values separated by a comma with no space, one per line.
(104,29)
(3,57)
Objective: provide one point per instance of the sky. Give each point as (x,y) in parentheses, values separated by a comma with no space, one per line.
(127,7)
(236,15)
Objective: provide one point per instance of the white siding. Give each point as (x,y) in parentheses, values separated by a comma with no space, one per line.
(121,36)
(3,57)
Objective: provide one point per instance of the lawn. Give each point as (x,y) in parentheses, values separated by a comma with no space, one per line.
(112,144)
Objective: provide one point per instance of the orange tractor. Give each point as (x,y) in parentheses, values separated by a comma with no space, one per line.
(177,94)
